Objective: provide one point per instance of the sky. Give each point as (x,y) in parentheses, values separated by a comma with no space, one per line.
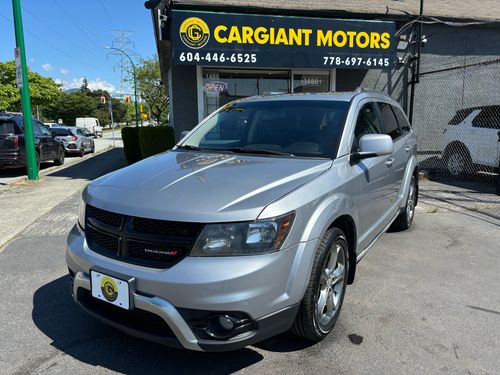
(65,39)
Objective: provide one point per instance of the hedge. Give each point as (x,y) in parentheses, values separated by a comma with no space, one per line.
(140,143)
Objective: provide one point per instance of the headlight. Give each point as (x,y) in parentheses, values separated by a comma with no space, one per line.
(81,214)
(258,237)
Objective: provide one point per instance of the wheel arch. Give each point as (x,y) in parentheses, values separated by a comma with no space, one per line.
(455,145)
(346,224)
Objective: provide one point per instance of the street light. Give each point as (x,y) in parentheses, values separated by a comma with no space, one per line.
(135,83)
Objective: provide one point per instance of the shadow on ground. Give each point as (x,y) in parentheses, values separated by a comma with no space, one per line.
(93,167)
(91,342)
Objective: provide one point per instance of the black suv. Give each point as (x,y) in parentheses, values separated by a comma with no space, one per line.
(12,149)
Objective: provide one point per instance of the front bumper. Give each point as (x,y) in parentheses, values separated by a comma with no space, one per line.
(266,288)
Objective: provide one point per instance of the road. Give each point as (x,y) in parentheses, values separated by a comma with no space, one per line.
(425,301)
(8,176)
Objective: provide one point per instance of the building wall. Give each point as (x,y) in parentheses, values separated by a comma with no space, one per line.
(183,98)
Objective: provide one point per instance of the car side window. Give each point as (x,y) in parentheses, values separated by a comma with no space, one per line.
(389,121)
(36,128)
(367,123)
(80,132)
(43,130)
(404,125)
(488,118)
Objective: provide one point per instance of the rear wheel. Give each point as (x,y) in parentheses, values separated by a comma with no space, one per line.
(92,147)
(458,161)
(82,151)
(60,158)
(322,302)
(405,218)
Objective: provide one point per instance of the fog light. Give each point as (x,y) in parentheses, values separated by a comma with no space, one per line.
(226,323)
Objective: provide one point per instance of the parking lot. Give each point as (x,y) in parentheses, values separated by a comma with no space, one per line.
(425,301)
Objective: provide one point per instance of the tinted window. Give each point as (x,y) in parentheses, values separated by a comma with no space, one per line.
(298,127)
(389,120)
(61,132)
(460,116)
(488,118)
(367,123)
(7,127)
(80,132)
(404,125)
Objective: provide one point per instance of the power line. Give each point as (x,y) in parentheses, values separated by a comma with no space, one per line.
(74,21)
(107,13)
(54,47)
(58,33)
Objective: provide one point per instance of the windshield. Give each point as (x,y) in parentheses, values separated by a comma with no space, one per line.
(289,127)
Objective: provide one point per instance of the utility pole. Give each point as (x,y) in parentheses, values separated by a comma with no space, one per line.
(110,106)
(22,79)
(135,82)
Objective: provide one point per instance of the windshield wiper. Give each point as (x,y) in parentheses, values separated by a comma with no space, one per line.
(246,150)
(189,147)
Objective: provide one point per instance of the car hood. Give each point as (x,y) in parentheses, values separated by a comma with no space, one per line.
(201,187)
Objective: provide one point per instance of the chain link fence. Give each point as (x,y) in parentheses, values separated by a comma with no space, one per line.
(457,121)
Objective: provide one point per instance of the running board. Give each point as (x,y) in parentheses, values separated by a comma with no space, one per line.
(363,253)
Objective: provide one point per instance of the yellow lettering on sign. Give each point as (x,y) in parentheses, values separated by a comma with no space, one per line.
(340,39)
(260,35)
(234,35)
(307,34)
(362,40)
(295,37)
(374,40)
(323,39)
(385,38)
(217,31)
(281,38)
(351,35)
(247,32)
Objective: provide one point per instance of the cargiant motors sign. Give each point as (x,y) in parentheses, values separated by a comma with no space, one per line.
(206,38)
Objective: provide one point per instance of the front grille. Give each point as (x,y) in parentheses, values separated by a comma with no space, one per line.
(146,242)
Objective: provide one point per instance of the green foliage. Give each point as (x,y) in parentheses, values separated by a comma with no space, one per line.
(131,144)
(155,139)
(142,142)
(44,91)
(151,89)
(70,106)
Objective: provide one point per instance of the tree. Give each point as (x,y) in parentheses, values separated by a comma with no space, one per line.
(44,91)
(151,88)
(69,106)
(102,112)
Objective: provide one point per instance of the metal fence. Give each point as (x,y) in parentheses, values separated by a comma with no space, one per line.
(457,121)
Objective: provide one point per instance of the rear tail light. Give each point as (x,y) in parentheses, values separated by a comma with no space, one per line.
(16,142)
(74,138)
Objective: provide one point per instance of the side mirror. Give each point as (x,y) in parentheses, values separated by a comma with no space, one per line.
(373,145)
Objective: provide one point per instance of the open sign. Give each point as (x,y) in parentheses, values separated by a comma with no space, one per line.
(215,87)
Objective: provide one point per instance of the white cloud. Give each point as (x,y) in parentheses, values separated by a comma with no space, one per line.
(47,67)
(64,71)
(93,84)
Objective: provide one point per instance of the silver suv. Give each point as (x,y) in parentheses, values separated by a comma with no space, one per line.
(252,225)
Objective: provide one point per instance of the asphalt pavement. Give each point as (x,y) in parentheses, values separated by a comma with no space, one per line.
(425,301)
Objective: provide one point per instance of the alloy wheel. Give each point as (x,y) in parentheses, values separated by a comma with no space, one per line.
(456,164)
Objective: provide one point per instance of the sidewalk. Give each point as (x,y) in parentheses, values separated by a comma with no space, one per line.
(22,202)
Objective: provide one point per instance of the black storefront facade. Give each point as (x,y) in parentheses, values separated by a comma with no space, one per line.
(212,56)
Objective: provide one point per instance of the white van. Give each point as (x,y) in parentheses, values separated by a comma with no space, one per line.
(91,124)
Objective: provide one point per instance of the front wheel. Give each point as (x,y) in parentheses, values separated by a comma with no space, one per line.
(322,302)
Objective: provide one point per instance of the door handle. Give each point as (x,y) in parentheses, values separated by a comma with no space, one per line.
(389,162)
(408,148)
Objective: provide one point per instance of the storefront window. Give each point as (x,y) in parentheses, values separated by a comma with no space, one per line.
(223,86)
(311,81)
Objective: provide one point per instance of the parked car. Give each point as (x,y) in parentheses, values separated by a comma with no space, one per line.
(50,124)
(92,125)
(75,140)
(472,140)
(12,147)
(253,224)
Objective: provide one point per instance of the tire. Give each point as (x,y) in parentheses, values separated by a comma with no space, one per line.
(82,151)
(60,159)
(458,161)
(328,282)
(92,148)
(405,218)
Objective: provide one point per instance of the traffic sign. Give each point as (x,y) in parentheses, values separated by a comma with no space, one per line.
(19,69)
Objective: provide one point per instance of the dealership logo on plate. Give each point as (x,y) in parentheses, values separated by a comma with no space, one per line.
(215,87)
(109,289)
(194,32)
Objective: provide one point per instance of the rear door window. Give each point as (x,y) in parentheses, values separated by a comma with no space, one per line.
(404,125)
(61,132)
(7,127)
(488,118)
(389,122)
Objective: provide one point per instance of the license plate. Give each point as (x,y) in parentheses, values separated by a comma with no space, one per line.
(110,289)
